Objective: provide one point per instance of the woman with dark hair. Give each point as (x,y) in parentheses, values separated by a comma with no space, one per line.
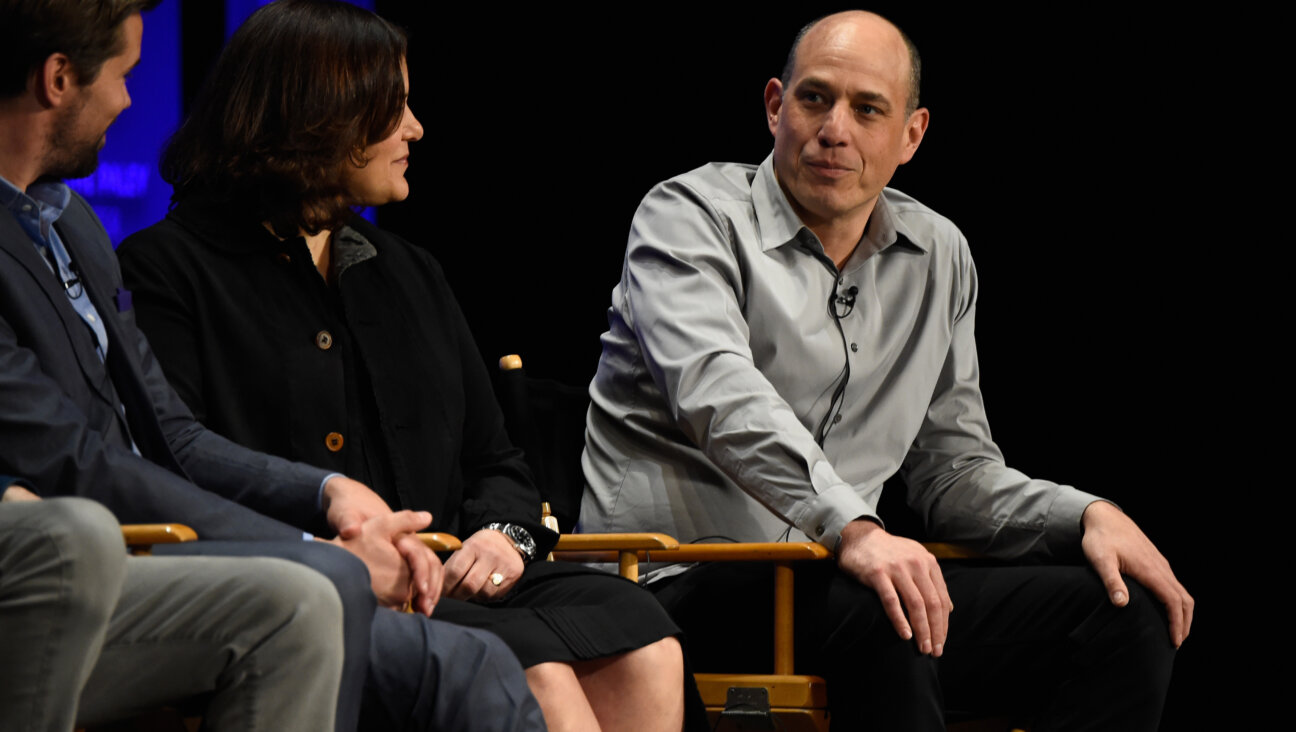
(293,326)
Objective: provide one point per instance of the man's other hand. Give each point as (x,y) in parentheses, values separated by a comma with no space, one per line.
(381,543)
(469,571)
(1114,544)
(349,503)
(905,576)
(352,509)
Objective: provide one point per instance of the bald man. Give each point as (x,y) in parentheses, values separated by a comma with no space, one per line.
(787,336)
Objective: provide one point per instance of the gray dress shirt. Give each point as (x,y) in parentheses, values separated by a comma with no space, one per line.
(722,358)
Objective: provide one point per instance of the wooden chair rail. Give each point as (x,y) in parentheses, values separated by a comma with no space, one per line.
(575,547)
(140,538)
(749,552)
(615,542)
(743,552)
(784,690)
(140,534)
(942,550)
(439,542)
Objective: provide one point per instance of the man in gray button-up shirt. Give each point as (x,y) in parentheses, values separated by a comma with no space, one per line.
(785,337)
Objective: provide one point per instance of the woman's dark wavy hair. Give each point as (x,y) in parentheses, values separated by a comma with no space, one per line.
(302,88)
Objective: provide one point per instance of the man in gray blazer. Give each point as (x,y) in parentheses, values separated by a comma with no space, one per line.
(85,410)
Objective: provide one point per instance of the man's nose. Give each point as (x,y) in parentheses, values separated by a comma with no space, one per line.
(833,128)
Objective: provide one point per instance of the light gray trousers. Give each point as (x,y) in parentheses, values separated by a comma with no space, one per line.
(89,635)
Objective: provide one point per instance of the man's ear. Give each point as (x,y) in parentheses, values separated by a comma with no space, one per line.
(54,80)
(915,128)
(773,103)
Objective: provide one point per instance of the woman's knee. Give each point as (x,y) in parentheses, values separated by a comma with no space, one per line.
(660,659)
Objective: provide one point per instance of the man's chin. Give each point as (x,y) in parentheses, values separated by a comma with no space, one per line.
(72,168)
(82,171)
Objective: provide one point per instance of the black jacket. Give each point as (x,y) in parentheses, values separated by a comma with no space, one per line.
(256,344)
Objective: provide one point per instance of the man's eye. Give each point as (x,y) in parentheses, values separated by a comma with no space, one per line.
(867,109)
(813,97)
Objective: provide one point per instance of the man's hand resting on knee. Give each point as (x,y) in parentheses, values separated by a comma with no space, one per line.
(905,576)
(1115,545)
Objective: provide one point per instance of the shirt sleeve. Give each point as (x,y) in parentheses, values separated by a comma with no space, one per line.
(956,475)
(683,294)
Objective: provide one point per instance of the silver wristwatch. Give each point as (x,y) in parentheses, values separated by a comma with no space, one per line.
(520,537)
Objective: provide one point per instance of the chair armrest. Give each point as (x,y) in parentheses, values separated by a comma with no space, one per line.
(615,542)
(772,551)
(140,538)
(624,549)
(789,552)
(149,534)
(751,551)
(603,548)
(942,550)
(439,542)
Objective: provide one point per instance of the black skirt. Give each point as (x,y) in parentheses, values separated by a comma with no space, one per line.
(561,611)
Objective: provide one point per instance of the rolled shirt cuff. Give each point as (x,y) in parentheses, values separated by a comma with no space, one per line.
(319,496)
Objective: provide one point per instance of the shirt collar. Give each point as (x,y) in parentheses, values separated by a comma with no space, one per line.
(778,222)
(780,225)
(39,207)
(886,228)
(219,223)
(350,247)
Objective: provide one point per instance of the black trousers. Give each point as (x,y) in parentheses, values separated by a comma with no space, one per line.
(1040,644)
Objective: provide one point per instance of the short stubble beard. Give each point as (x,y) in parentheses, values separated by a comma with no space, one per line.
(68,156)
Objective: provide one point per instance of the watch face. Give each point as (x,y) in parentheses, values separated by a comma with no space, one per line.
(521,539)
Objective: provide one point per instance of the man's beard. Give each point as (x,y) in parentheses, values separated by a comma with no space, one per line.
(70,157)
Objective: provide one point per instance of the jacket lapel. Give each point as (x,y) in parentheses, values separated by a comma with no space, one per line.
(14,240)
(122,359)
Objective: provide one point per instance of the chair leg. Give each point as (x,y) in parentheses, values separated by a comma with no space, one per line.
(783,619)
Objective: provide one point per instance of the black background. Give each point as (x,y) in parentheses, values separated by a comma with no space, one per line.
(1089,155)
